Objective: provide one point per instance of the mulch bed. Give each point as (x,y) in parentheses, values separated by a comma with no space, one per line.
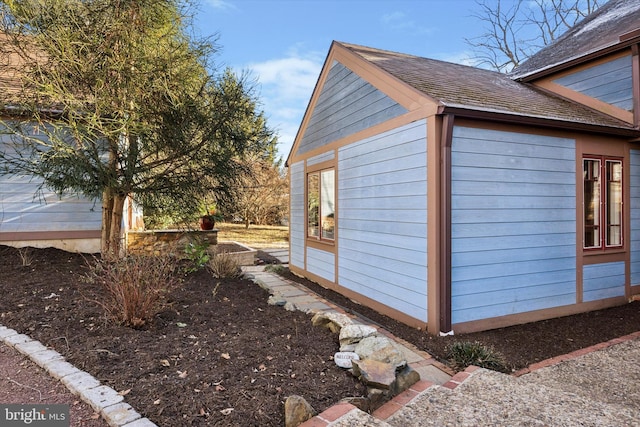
(221,355)
(520,345)
(226,359)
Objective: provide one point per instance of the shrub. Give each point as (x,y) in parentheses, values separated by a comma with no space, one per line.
(198,254)
(224,266)
(136,286)
(26,256)
(465,353)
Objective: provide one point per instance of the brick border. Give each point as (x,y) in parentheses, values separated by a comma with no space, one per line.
(574,354)
(404,398)
(102,399)
(330,415)
(399,401)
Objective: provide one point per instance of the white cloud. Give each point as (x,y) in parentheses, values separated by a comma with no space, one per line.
(291,78)
(286,85)
(398,21)
(221,4)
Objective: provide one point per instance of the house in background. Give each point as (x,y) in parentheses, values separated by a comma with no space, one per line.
(459,199)
(42,219)
(38,217)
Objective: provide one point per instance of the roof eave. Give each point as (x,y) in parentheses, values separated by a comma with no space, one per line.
(502,117)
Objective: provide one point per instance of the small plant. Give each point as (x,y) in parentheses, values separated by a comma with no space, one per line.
(466,353)
(136,286)
(198,253)
(214,292)
(224,266)
(212,213)
(275,268)
(26,256)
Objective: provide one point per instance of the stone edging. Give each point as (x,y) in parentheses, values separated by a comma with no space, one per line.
(273,284)
(101,398)
(574,354)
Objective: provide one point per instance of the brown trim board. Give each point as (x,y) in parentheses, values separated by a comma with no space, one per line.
(537,315)
(635,76)
(445,218)
(538,122)
(49,235)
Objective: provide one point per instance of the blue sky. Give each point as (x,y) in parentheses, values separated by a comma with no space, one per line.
(283,43)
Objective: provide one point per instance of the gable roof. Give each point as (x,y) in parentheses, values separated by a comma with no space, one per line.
(613,26)
(471,91)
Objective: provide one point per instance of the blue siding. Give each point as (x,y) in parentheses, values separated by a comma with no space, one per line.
(26,208)
(610,82)
(324,157)
(634,190)
(296,214)
(603,281)
(513,223)
(382,218)
(321,263)
(346,105)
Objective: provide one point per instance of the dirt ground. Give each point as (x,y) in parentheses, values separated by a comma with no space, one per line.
(227,358)
(521,345)
(223,356)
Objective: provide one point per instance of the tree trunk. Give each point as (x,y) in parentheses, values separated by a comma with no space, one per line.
(116,239)
(107,209)
(112,211)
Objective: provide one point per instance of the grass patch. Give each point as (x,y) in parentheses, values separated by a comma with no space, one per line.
(256,236)
(276,269)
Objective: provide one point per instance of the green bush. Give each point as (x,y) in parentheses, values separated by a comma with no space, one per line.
(136,286)
(463,354)
(198,254)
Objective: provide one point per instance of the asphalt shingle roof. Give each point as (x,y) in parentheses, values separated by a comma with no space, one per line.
(461,86)
(597,31)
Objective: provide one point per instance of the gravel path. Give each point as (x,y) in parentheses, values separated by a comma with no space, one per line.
(23,382)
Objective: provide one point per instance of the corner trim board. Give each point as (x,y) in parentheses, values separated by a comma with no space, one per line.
(445,215)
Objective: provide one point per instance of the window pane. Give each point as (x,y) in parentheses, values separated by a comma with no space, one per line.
(313,205)
(614,203)
(591,176)
(327,200)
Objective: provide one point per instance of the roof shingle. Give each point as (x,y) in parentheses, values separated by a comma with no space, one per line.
(465,87)
(596,32)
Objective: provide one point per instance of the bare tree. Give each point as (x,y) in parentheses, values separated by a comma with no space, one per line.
(515,29)
(261,196)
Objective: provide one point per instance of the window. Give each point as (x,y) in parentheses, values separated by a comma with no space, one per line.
(602,177)
(321,205)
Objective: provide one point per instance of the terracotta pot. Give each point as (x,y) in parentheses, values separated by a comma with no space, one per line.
(206,223)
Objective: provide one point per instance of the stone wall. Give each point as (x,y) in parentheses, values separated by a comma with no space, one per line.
(243,255)
(156,242)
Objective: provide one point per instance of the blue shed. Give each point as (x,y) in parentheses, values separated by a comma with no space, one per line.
(459,199)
